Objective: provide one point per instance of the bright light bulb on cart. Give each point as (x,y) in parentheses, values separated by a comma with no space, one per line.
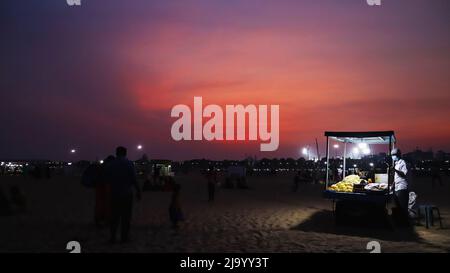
(335,146)
(362,146)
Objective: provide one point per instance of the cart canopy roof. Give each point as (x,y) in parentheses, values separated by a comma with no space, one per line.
(374,137)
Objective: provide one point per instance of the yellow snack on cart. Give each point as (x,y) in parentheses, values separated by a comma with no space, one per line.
(346,185)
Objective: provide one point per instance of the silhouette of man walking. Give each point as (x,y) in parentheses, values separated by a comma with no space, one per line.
(122,177)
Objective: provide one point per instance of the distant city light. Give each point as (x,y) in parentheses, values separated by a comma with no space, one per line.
(2,163)
(354,165)
(371,164)
(101,161)
(73,151)
(305,151)
(70,163)
(139,147)
(335,146)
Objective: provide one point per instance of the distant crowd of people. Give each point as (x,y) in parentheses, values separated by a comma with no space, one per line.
(116,187)
(115,181)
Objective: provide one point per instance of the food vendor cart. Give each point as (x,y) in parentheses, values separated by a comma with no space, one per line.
(352,196)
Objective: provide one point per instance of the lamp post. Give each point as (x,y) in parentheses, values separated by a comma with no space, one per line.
(73,153)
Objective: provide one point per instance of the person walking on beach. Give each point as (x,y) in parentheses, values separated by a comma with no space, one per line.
(297,180)
(175,211)
(435,174)
(5,206)
(103,195)
(18,199)
(122,178)
(157,175)
(401,187)
(211,177)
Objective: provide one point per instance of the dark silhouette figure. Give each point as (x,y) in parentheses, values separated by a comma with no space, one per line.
(175,211)
(211,177)
(122,178)
(436,174)
(156,174)
(91,176)
(302,177)
(48,174)
(242,183)
(5,207)
(103,195)
(166,183)
(18,199)
(37,172)
(297,179)
(315,175)
(147,185)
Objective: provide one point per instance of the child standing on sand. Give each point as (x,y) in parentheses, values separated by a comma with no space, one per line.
(175,212)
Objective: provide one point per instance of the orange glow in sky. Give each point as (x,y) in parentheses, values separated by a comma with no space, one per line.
(330,66)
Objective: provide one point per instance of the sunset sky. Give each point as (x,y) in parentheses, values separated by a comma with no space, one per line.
(108,72)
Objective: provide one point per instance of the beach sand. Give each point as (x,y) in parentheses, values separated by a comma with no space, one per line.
(268,217)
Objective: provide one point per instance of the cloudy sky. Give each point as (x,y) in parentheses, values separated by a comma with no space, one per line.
(109,71)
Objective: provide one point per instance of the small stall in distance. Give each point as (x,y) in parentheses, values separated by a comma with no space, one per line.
(159,176)
(360,199)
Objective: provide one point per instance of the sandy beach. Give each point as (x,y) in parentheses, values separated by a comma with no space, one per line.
(268,217)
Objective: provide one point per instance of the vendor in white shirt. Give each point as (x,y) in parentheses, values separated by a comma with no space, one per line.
(401,189)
